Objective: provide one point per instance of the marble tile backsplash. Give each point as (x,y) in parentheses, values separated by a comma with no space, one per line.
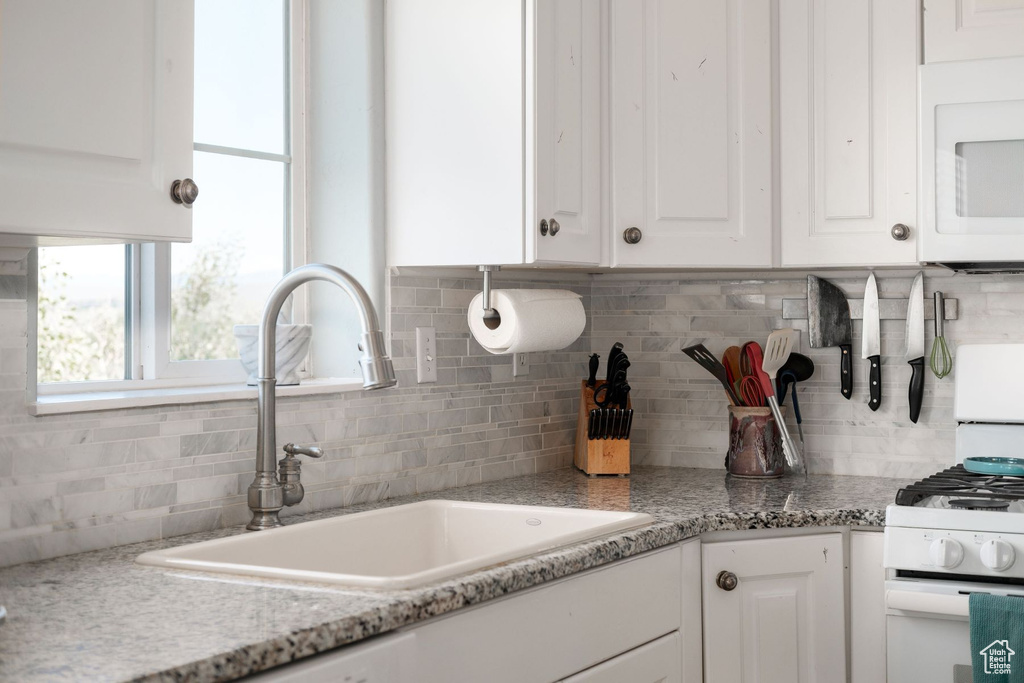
(70,483)
(682,411)
(76,482)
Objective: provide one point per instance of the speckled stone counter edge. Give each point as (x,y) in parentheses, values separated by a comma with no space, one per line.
(488,584)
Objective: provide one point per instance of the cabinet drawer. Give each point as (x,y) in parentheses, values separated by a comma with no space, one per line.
(656,662)
(554,631)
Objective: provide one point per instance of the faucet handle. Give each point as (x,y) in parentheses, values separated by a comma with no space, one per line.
(309,451)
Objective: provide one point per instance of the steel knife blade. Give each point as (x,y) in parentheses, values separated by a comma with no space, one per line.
(915,345)
(828,324)
(871,343)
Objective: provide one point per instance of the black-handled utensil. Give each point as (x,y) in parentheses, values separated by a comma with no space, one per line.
(786,379)
(798,366)
(828,324)
(915,345)
(595,361)
(916,393)
(871,343)
(612,355)
(709,362)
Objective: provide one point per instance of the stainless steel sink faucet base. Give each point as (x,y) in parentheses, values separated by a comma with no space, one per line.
(269,492)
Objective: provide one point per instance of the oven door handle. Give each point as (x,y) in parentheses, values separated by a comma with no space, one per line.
(929,603)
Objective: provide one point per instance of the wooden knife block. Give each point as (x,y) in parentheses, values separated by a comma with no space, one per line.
(598,456)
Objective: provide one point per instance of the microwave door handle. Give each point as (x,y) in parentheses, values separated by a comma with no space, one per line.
(928,603)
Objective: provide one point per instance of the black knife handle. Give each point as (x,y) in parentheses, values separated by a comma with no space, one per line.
(595,360)
(916,388)
(846,371)
(875,382)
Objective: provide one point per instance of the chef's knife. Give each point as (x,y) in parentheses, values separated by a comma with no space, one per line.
(915,345)
(595,360)
(828,318)
(871,344)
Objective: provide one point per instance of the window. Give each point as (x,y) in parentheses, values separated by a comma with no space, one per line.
(166,312)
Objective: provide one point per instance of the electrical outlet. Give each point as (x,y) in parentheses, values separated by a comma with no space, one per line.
(426,355)
(520,364)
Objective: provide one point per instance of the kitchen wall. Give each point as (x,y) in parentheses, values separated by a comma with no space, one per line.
(76,482)
(682,412)
(70,483)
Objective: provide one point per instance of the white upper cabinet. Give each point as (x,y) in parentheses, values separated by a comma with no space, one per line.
(777,613)
(691,133)
(972,29)
(95,120)
(848,131)
(493,132)
(567,131)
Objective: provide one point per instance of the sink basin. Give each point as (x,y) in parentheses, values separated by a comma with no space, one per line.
(398,547)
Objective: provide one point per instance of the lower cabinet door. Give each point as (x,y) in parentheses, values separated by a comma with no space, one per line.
(774,610)
(867,607)
(656,662)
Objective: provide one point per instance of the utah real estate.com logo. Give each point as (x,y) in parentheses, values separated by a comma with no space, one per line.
(997,656)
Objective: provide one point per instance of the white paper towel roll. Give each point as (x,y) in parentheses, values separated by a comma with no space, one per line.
(531,320)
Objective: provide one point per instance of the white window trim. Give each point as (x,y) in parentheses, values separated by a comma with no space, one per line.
(151,369)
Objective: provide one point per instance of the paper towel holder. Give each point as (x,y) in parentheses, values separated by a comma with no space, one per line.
(492,319)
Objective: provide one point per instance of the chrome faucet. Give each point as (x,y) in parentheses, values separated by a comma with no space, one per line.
(268,493)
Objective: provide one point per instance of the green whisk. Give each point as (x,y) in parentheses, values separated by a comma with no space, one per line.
(941,360)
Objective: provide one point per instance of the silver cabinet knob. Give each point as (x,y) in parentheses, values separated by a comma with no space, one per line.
(184,192)
(900,232)
(727,581)
(632,235)
(555,227)
(543,226)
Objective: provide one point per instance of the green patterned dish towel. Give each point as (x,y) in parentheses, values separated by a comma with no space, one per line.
(997,638)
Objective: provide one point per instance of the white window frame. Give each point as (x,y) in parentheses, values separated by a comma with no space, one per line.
(148,279)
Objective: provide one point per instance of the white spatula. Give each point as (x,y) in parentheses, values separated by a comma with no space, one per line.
(780,344)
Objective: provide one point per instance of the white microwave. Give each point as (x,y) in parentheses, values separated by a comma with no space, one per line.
(972,164)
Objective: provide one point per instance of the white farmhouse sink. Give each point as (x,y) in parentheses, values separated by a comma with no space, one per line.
(398,547)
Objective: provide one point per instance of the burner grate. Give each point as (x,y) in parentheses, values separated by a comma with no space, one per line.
(956,481)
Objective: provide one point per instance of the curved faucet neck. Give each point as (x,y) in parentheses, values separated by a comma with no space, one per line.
(267,350)
(265,497)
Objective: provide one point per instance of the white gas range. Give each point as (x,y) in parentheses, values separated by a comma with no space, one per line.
(956,532)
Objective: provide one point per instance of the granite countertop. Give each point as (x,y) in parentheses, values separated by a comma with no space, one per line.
(99,616)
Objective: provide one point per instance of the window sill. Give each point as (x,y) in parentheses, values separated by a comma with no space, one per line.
(59,404)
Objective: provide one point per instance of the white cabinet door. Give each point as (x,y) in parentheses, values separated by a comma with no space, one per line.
(656,662)
(784,621)
(691,630)
(691,131)
(492,114)
(867,607)
(848,126)
(95,119)
(567,132)
(972,29)
(454,131)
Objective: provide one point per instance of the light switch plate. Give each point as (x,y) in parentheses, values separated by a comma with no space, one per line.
(520,364)
(426,355)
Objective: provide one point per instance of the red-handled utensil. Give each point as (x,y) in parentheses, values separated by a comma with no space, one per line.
(751,387)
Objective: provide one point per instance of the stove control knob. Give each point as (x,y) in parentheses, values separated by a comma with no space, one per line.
(997,555)
(946,553)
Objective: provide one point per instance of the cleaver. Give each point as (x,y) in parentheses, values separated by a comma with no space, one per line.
(828,318)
